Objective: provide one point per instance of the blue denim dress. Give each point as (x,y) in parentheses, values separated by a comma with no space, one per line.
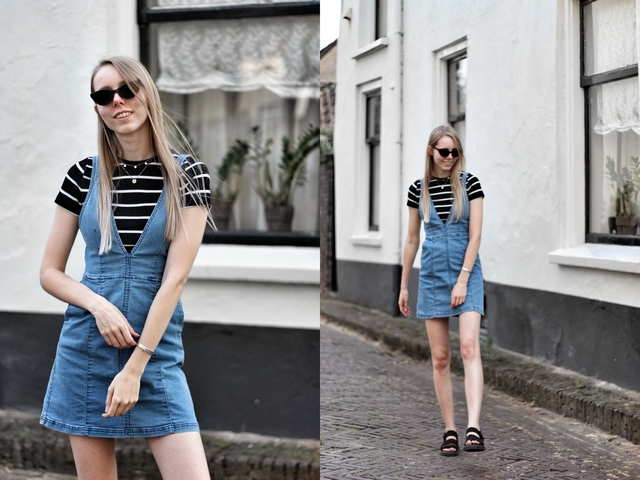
(85,365)
(443,251)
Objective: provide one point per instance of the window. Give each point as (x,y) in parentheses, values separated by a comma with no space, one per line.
(381,19)
(225,66)
(372,138)
(373,21)
(457,93)
(609,77)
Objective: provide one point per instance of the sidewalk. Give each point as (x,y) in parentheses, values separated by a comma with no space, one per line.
(29,450)
(380,419)
(611,409)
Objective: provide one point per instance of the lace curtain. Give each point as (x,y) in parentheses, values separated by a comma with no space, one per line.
(617,107)
(237,55)
(612,34)
(176,3)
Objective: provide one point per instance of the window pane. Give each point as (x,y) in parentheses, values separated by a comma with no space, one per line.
(381,18)
(373,117)
(457,88)
(614,151)
(374,187)
(610,32)
(373,148)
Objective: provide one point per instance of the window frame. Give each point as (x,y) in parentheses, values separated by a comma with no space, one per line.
(147,16)
(586,82)
(372,140)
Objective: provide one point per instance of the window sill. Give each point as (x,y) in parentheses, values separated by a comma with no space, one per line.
(266,264)
(373,239)
(600,256)
(378,44)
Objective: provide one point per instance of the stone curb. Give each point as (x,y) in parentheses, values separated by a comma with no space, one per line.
(613,410)
(26,444)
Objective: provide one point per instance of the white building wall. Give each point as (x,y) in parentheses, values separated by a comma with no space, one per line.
(362,67)
(524,140)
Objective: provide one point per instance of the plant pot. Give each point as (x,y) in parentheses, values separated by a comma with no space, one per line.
(221,211)
(612,224)
(626,225)
(278,217)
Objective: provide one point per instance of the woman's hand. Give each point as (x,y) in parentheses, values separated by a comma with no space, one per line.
(122,394)
(403,302)
(113,326)
(458,294)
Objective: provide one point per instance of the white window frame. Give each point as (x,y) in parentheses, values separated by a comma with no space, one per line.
(362,236)
(441,69)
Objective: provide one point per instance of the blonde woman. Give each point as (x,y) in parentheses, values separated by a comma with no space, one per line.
(141,210)
(448,203)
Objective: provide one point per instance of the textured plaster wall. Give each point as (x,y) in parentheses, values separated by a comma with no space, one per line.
(381,68)
(525,134)
(47,123)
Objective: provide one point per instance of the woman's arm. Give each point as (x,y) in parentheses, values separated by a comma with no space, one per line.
(411,246)
(123,391)
(113,326)
(459,292)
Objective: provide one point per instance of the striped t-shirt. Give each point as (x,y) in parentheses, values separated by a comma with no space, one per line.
(442,195)
(137,188)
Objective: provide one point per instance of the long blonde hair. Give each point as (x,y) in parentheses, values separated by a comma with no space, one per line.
(454,174)
(165,137)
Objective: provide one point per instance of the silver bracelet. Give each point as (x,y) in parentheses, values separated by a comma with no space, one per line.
(144,349)
(466,270)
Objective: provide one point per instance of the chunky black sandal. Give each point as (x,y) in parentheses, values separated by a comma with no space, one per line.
(473,435)
(449,443)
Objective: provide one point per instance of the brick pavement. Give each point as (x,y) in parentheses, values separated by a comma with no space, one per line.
(380,419)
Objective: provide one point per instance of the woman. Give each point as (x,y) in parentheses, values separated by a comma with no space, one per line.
(141,210)
(450,208)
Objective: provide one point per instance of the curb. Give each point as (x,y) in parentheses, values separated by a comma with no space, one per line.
(609,408)
(25,444)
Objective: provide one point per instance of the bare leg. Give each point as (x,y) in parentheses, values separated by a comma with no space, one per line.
(473,376)
(180,456)
(438,333)
(95,458)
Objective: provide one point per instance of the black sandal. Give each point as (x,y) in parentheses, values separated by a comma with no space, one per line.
(450,443)
(473,435)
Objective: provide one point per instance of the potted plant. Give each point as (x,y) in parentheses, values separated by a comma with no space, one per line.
(626,184)
(228,175)
(277,194)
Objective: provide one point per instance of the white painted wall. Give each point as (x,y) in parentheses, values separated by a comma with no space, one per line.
(363,66)
(525,137)
(47,123)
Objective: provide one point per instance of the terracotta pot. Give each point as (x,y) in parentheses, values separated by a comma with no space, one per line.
(221,212)
(278,217)
(627,225)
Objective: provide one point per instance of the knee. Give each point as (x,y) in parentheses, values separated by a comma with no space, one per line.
(470,350)
(441,361)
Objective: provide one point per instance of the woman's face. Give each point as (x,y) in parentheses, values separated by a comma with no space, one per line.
(123,116)
(443,164)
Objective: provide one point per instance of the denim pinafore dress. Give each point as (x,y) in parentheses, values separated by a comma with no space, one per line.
(443,251)
(85,365)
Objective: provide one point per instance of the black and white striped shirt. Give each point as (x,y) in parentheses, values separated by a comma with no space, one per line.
(442,195)
(137,188)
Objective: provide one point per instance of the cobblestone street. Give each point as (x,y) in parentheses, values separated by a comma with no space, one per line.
(380,419)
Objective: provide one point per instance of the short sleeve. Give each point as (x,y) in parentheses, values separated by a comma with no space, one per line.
(474,189)
(198,191)
(75,186)
(413,197)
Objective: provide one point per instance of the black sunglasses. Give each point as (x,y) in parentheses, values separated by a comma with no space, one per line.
(105,97)
(445,152)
